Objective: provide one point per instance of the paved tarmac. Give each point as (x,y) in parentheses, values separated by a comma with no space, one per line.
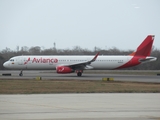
(86,76)
(116,106)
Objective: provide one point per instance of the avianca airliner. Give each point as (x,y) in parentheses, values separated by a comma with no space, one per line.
(69,64)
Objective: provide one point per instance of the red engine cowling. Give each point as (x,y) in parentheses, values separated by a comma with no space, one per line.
(64,69)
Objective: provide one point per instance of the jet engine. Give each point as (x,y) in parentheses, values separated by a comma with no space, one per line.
(64,69)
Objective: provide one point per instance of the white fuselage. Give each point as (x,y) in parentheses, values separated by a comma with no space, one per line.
(50,62)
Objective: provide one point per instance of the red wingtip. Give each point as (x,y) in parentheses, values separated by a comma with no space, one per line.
(95,57)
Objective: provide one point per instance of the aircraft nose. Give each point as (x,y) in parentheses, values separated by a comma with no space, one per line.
(5,64)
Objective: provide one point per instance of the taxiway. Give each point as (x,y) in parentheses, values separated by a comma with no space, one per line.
(80,106)
(45,75)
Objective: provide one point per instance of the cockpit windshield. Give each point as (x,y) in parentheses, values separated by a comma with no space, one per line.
(11,60)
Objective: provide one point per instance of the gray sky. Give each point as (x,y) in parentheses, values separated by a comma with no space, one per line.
(86,23)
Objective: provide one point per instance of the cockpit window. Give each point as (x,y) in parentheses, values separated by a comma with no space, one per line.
(11,60)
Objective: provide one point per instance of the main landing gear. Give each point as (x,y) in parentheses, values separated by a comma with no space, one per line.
(21,73)
(79,72)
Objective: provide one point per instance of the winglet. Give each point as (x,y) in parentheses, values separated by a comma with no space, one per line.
(95,57)
(144,49)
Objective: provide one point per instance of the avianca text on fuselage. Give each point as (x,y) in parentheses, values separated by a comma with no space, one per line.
(43,60)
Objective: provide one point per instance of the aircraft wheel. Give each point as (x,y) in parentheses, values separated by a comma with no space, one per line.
(21,73)
(79,74)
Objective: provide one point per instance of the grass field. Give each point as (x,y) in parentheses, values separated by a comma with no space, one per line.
(75,86)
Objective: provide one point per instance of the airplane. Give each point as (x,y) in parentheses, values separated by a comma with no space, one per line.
(70,64)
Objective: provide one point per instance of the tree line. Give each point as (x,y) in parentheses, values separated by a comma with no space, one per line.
(7,53)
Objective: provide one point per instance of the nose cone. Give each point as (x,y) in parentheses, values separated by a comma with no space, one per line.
(5,64)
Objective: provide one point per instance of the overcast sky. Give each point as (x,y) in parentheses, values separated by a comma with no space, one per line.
(86,23)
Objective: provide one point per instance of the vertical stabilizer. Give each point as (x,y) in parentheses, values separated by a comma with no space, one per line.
(144,49)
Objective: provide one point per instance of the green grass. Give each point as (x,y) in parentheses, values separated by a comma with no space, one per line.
(75,86)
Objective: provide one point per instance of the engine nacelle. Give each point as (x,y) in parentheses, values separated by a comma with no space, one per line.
(64,69)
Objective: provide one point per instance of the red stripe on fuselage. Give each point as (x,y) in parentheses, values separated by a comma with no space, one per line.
(135,60)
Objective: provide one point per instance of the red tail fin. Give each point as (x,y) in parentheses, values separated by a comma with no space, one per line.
(144,49)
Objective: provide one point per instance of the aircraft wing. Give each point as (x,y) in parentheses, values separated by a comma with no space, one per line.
(82,65)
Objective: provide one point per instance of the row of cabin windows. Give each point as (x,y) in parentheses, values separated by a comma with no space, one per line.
(82,60)
(96,60)
(79,60)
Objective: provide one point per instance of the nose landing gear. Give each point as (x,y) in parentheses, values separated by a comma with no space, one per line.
(21,73)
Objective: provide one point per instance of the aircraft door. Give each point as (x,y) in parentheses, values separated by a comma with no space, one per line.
(21,62)
(50,61)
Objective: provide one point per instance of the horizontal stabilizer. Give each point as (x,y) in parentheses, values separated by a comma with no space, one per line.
(148,59)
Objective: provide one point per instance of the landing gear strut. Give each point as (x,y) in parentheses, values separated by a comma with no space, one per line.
(21,73)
